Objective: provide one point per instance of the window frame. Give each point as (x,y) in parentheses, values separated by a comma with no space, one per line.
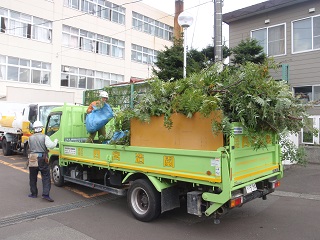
(267,40)
(311,94)
(151,26)
(312,35)
(142,53)
(25,66)
(93,79)
(24,25)
(94,7)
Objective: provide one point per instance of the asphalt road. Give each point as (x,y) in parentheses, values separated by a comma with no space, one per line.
(291,213)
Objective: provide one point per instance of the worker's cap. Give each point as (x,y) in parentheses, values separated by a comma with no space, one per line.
(37,126)
(104,94)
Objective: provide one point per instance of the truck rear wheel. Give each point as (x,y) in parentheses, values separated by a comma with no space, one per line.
(144,200)
(56,174)
(6,147)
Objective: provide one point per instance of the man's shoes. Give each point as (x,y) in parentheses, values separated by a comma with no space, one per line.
(46,197)
(32,196)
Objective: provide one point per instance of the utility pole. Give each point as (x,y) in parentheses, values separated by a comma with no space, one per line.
(218,30)
(177,29)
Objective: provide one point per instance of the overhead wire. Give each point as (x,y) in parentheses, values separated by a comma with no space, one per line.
(86,13)
(75,16)
(128,29)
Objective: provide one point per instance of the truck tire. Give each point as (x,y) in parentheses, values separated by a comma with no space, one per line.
(6,147)
(56,174)
(144,200)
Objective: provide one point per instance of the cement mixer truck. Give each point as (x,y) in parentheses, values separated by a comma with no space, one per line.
(16,121)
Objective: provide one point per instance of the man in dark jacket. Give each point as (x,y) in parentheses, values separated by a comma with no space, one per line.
(38,145)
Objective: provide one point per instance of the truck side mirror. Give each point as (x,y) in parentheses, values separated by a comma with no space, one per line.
(33,113)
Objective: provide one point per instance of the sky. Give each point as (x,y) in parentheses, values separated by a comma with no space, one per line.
(200,33)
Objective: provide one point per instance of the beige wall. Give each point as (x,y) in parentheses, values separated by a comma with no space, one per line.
(303,67)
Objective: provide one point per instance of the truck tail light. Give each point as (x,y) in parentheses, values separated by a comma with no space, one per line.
(274,184)
(236,201)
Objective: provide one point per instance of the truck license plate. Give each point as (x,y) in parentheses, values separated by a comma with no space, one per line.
(250,188)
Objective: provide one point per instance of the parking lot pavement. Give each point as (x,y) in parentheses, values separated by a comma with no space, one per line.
(303,181)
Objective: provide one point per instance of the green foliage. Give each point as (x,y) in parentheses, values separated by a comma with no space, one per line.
(169,65)
(246,94)
(291,152)
(186,96)
(170,62)
(260,103)
(248,50)
(208,52)
(89,96)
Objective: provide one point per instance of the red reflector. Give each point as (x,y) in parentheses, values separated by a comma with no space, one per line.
(274,184)
(236,202)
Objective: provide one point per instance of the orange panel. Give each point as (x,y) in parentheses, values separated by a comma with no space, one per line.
(186,133)
(25,127)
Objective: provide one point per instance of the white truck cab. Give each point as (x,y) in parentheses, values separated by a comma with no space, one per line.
(16,121)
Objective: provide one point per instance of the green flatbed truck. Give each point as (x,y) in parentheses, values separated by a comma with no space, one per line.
(154,179)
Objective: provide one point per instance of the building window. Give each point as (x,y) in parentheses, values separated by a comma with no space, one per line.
(26,26)
(306,34)
(24,70)
(87,79)
(103,45)
(308,93)
(307,135)
(272,39)
(151,26)
(100,8)
(143,54)
(92,42)
(117,48)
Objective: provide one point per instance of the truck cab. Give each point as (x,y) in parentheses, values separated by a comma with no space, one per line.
(16,125)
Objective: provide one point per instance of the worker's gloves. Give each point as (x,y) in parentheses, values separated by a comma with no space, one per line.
(56,141)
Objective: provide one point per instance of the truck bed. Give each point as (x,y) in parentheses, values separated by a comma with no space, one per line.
(203,167)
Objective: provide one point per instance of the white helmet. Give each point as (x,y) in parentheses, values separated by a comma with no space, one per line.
(37,124)
(104,94)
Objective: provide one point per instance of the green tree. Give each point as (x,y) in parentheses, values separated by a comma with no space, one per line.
(170,62)
(248,50)
(208,52)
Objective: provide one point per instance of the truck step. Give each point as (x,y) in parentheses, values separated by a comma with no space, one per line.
(117,191)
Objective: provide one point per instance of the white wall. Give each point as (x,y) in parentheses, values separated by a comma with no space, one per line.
(58,55)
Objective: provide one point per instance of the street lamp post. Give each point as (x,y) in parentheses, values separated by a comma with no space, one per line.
(185,20)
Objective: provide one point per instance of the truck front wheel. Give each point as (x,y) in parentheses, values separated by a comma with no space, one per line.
(144,200)
(6,147)
(56,174)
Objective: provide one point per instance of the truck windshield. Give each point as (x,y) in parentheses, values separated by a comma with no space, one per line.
(44,113)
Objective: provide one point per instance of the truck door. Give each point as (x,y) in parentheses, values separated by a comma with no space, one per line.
(53,124)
